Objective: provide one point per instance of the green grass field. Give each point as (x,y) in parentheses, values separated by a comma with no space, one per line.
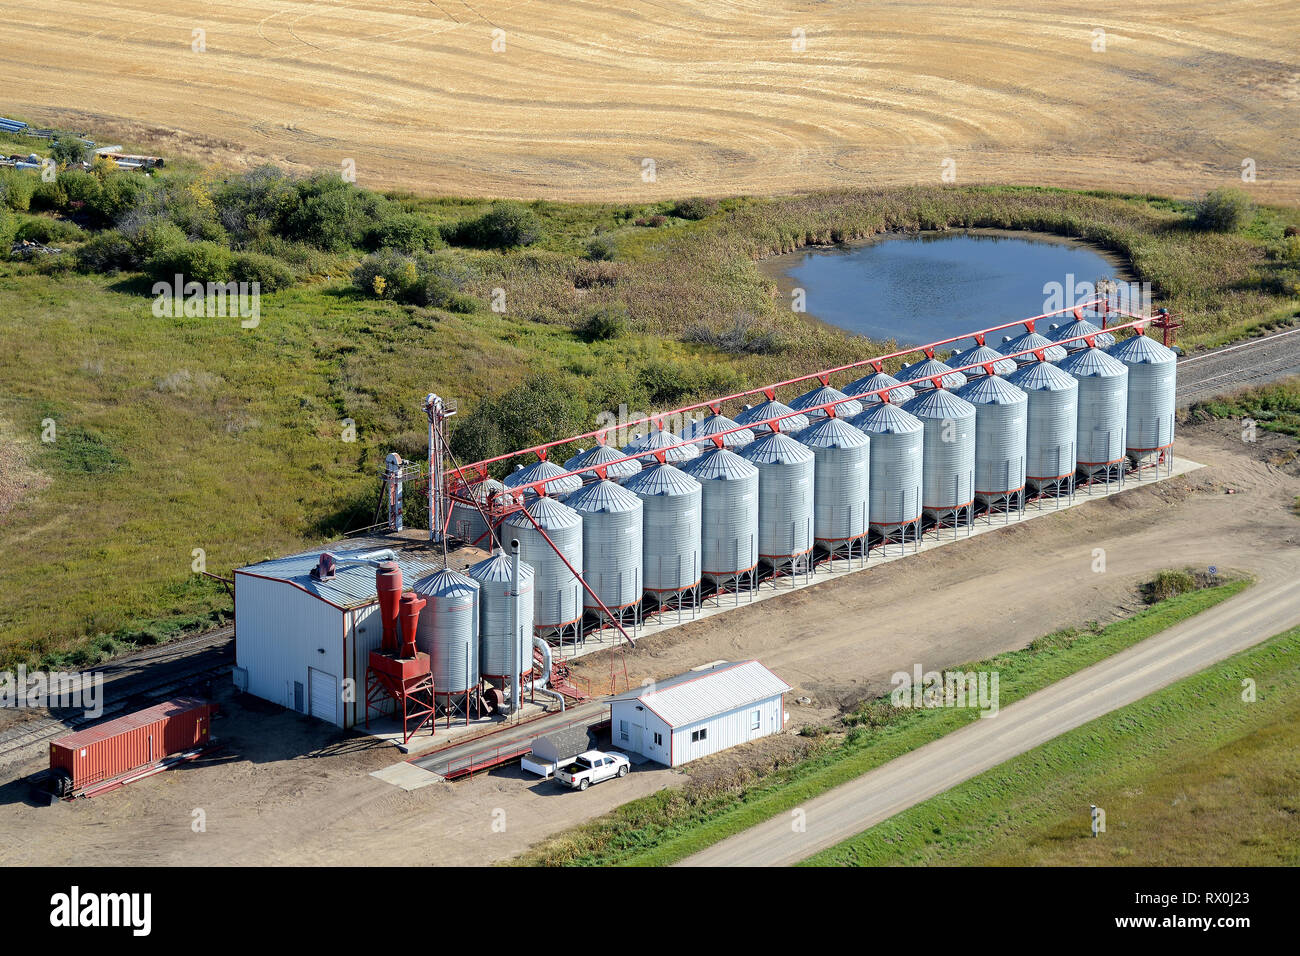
(1193,775)
(171,435)
(670,825)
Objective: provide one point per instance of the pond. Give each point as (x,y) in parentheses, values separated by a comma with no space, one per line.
(932,286)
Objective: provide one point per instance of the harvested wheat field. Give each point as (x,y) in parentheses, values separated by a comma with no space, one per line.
(717,94)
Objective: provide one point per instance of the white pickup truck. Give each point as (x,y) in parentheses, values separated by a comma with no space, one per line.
(592,767)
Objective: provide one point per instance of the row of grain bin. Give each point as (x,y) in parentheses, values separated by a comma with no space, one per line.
(715,509)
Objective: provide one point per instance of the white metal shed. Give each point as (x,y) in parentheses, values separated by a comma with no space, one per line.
(699,713)
(305,644)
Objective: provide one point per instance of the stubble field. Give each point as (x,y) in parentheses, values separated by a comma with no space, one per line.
(579,93)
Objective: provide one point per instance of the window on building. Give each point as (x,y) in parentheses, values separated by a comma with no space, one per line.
(622,730)
(698,735)
(756,720)
(659,740)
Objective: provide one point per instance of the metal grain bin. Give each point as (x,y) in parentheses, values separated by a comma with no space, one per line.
(1032,340)
(948,480)
(1151,383)
(659,440)
(820,396)
(785,497)
(602,455)
(700,433)
(611,544)
(1078,327)
(756,414)
(670,553)
(495,600)
(1103,408)
(467,522)
(728,513)
(1053,422)
(1001,423)
(127,743)
(448,630)
(928,368)
(984,355)
(540,471)
(841,481)
(557,601)
(878,380)
(896,465)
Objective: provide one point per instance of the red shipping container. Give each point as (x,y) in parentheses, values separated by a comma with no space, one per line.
(128,743)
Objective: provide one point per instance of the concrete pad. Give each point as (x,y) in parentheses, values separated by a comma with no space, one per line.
(406,776)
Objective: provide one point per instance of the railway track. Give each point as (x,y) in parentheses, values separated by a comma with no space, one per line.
(165,671)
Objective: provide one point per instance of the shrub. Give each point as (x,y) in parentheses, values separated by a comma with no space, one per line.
(257,204)
(150,238)
(1167,584)
(118,193)
(16,188)
(405,232)
(48,196)
(195,261)
(269,272)
(601,248)
(67,150)
(695,208)
(1222,210)
(428,280)
(745,336)
(605,323)
(107,251)
(80,187)
(183,202)
(504,226)
(332,214)
(47,231)
(387,274)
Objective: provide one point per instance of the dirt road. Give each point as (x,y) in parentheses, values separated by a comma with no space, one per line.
(570,99)
(1270,607)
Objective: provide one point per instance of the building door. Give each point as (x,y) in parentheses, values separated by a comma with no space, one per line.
(634,743)
(324,695)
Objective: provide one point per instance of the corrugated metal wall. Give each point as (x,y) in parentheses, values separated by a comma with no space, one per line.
(727,730)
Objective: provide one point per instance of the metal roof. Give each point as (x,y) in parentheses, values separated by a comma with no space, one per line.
(931,368)
(823,394)
(719,463)
(776,448)
(1087,362)
(700,694)
(603,496)
(1032,340)
(757,414)
(869,383)
(602,455)
(1042,377)
(353,585)
(832,433)
(1140,350)
(983,354)
(711,426)
(885,418)
(661,480)
(539,470)
(991,390)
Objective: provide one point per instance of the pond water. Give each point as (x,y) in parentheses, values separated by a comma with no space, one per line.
(927,287)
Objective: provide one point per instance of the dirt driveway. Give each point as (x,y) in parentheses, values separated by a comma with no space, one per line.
(287,791)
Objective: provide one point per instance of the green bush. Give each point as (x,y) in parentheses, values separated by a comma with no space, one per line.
(387,274)
(427,279)
(332,214)
(181,201)
(695,208)
(67,150)
(257,204)
(195,261)
(48,231)
(405,232)
(601,248)
(607,322)
(48,197)
(270,273)
(107,251)
(16,188)
(118,193)
(1167,584)
(81,187)
(505,226)
(1222,210)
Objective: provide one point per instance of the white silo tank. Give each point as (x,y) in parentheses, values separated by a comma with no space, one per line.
(1152,383)
(1001,425)
(875,381)
(755,416)
(498,606)
(1052,425)
(785,498)
(822,395)
(728,514)
(896,466)
(541,471)
(586,461)
(701,433)
(467,522)
(611,544)
(1103,409)
(448,630)
(841,483)
(948,481)
(557,600)
(671,532)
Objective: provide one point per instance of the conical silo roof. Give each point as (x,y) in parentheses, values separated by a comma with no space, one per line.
(1089,362)
(719,463)
(498,568)
(540,471)
(928,368)
(984,355)
(820,396)
(832,433)
(756,414)
(661,480)
(1141,350)
(548,513)
(602,496)
(991,390)
(776,448)
(876,380)
(1104,340)
(659,440)
(700,431)
(1041,377)
(586,460)
(938,403)
(886,418)
(1032,340)
(445,583)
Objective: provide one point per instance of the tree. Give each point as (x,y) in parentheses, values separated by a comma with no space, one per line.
(67,151)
